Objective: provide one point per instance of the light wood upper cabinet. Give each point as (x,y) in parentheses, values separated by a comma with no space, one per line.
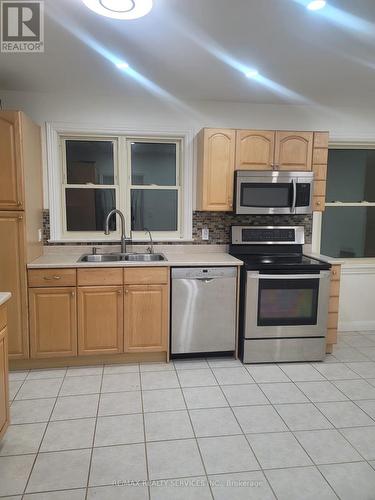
(53,322)
(4,393)
(13,279)
(100,320)
(10,162)
(216,156)
(146,318)
(254,149)
(293,150)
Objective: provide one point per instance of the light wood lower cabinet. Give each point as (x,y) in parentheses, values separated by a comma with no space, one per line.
(333,316)
(100,320)
(146,318)
(13,279)
(4,395)
(53,322)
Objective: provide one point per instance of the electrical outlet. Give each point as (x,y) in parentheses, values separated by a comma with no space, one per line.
(205,234)
(40,235)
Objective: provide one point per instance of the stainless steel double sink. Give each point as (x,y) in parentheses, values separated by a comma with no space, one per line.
(122,257)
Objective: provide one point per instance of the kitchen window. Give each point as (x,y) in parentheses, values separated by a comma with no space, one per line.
(148,178)
(348,223)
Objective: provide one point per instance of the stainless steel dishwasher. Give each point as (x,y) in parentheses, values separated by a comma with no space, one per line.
(203,309)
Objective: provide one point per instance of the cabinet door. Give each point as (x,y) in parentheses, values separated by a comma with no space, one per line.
(53,322)
(4,396)
(215,170)
(13,279)
(100,320)
(10,162)
(293,150)
(255,149)
(146,318)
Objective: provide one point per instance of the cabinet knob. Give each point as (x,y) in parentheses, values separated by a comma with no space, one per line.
(20,217)
(126,291)
(119,292)
(73,294)
(19,203)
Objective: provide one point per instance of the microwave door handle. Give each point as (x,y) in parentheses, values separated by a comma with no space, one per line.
(293,209)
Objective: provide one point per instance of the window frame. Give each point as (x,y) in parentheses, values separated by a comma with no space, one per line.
(54,132)
(64,184)
(318,216)
(159,235)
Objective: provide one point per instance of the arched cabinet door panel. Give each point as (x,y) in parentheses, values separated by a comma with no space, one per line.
(255,149)
(216,156)
(293,150)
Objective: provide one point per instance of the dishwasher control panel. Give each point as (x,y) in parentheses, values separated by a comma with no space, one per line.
(203,272)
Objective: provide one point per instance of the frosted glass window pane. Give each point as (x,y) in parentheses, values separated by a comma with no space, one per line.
(89,162)
(156,210)
(351,175)
(86,209)
(153,163)
(348,232)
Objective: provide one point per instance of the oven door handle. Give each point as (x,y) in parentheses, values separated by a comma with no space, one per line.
(294,202)
(283,276)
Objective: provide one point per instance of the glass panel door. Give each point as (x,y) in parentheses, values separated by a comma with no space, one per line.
(288,301)
(266,195)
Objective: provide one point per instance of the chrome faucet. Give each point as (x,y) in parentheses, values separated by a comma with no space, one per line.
(151,248)
(122,218)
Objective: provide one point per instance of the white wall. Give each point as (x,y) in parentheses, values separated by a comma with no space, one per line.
(357,293)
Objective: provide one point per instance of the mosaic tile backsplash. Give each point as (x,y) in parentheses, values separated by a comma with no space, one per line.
(218,224)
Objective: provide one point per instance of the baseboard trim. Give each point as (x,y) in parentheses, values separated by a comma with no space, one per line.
(110,359)
(355,326)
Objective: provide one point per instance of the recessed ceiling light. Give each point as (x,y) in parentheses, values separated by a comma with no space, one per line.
(316,4)
(122,65)
(120,9)
(252,73)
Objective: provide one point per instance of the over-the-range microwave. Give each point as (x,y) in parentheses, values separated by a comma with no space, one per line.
(270,192)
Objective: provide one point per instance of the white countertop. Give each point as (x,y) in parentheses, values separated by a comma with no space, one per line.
(4,297)
(187,258)
(326,258)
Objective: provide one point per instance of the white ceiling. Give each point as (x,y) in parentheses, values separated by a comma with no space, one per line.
(194,49)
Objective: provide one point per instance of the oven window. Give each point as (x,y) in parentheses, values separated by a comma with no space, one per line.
(288,302)
(266,195)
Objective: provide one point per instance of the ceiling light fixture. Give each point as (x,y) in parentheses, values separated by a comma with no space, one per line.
(120,9)
(316,4)
(122,65)
(252,73)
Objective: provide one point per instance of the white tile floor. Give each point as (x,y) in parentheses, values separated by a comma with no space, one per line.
(195,430)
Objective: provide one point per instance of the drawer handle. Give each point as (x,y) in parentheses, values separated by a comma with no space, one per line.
(48,278)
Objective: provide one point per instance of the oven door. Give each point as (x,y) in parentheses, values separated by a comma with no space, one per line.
(286,305)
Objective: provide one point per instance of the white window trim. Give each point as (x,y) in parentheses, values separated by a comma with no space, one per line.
(366,142)
(54,131)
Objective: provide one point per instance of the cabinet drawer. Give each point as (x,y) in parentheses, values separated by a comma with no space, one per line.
(335,273)
(146,275)
(100,277)
(52,277)
(333,319)
(335,289)
(320,156)
(334,304)
(331,336)
(3,317)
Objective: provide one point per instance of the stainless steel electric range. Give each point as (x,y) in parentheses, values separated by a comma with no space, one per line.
(284,295)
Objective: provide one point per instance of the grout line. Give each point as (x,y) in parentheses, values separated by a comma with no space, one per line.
(144,436)
(195,436)
(44,433)
(94,436)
